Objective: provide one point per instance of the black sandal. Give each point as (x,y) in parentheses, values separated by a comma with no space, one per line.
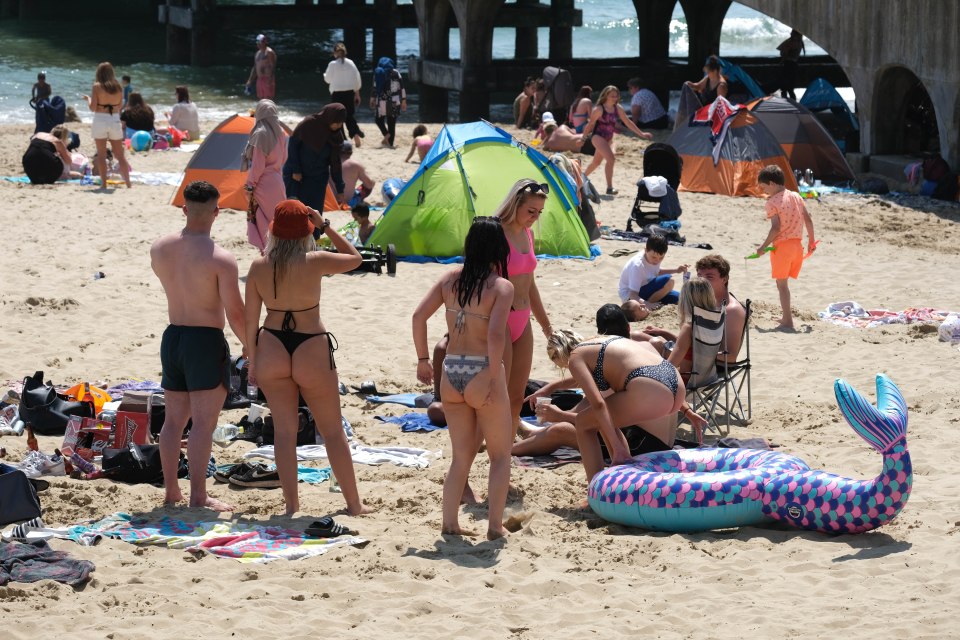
(326,527)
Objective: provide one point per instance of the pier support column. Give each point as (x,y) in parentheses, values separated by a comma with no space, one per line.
(385,30)
(355,38)
(704,22)
(475,19)
(526,41)
(9,8)
(561,33)
(654,17)
(203,36)
(433,17)
(178,37)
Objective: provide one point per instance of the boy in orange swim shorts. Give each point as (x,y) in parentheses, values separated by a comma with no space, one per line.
(788,216)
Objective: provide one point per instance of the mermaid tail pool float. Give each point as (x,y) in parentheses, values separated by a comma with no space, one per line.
(702,489)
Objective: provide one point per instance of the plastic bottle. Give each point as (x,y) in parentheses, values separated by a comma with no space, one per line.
(686,276)
(252,391)
(32,443)
(334,485)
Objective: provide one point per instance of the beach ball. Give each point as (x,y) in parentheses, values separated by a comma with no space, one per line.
(391,187)
(141,141)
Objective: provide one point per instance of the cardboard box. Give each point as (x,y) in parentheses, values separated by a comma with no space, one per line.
(90,433)
(135,401)
(131,427)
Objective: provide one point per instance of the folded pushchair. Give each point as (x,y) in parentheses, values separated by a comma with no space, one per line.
(49,114)
(659,159)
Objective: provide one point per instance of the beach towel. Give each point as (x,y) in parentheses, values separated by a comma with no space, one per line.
(37,561)
(411,422)
(560,457)
(243,541)
(152,178)
(400,456)
(406,399)
(850,314)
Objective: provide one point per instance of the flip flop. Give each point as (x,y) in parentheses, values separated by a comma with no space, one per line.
(326,527)
(367,387)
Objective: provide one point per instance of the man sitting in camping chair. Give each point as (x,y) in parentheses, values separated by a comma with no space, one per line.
(715,269)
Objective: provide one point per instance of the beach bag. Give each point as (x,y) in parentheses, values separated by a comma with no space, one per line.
(138,464)
(46,411)
(18,499)
(306,430)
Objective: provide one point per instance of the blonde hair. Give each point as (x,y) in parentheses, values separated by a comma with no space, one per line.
(550,127)
(507,210)
(283,253)
(560,345)
(607,90)
(60,132)
(696,292)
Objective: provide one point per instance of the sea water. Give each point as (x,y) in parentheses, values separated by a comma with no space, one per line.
(69,53)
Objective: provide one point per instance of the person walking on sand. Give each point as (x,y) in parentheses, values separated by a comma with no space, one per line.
(104,101)
(264,70)
(263,159)
(291,354)
(344,80)
(600,129)
(200,280)
(788,216)
(475,401)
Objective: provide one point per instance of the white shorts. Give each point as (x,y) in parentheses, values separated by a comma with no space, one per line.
(106,126)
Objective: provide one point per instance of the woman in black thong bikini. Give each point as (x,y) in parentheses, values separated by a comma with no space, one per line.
(645,387)
(293,353)
(477,298)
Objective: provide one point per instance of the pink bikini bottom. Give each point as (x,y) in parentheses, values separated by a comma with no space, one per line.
(517,322)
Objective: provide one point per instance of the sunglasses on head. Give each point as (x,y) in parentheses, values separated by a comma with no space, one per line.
(533,187)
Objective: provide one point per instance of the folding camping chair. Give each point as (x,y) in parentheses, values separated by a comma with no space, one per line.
(659,159)
(705,382)
(711,382)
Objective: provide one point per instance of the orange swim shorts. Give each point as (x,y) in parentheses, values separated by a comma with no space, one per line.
(786,259)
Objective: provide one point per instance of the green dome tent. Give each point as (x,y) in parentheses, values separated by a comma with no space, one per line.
(468,172)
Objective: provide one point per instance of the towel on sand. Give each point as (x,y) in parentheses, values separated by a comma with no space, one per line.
(37,561)
(400,456)
(410,422)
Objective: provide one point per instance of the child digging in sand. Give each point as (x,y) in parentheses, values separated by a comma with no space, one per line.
(788,216)
(644,284)
(421,143)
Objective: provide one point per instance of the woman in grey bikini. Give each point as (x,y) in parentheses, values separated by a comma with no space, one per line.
(292,352)
(473,386)
(645,387)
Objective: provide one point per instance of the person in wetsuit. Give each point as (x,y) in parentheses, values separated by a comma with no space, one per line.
(291,355)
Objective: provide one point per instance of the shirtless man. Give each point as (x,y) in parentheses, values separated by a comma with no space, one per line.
(561,138)
(264,70)
(715,269)
(354,172)
(201,283)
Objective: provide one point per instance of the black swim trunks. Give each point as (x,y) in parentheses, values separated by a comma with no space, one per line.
(639,442)
(194,358)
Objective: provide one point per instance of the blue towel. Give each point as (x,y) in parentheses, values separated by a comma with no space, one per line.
(411,422)
(406,399)
(312,475)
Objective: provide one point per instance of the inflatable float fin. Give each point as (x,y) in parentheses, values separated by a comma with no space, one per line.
(881,426)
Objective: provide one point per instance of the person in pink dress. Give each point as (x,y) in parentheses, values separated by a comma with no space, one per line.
(263,159)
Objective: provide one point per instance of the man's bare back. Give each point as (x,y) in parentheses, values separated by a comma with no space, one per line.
(354,172)
(190,267)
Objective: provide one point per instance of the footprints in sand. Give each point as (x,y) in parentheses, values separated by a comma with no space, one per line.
(42,306)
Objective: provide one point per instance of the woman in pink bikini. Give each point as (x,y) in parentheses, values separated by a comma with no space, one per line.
(601,126)
(518,212)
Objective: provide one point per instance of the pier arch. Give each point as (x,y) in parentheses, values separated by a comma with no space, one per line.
(905,119)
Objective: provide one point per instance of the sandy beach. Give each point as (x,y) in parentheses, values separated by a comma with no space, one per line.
(565,573)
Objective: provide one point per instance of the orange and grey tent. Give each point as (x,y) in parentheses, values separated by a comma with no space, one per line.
(746,147)
(217,161)
(804,140)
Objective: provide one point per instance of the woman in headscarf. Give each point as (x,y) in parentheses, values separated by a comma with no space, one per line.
(263,159)
(313,157)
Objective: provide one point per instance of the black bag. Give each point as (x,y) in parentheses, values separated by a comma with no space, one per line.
(306,431)
(46,411)
(566,399)
(138,464)
(18,499)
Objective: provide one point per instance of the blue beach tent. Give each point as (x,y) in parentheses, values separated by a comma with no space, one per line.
(468,172)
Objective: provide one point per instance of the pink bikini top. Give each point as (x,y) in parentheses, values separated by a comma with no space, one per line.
(518,262)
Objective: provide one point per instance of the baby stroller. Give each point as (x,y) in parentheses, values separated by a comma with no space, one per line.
(659,159)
